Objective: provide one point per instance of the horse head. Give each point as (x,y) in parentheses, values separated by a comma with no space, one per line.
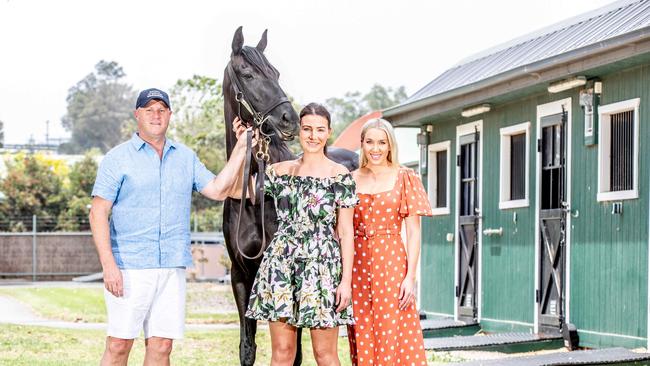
(250,79)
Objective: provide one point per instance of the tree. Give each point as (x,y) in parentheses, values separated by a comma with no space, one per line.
(74,217)
(380,97)
(98,106)
(354,105)
(82,175)
(198,122)
(2,134)
(198,119)
(31,187)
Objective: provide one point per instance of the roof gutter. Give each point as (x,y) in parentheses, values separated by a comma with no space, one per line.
(571,56)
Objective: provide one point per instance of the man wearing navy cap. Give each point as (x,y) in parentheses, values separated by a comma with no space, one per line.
(145,185)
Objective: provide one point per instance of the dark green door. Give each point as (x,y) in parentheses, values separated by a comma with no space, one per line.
(552,222)
(468,216)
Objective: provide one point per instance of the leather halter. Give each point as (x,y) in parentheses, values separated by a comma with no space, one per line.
(261,155)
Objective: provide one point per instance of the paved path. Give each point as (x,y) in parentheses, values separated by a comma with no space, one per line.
(15,312)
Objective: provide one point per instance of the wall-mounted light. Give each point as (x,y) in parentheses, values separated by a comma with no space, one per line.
(566,84)
(589,100)
(424,139)
(475,110)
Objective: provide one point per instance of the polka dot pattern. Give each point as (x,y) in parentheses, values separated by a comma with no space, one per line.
(382,334)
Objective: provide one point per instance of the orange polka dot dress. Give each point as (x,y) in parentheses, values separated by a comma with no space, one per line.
(382,334)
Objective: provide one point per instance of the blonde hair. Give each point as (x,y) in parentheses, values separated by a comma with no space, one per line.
(380,124)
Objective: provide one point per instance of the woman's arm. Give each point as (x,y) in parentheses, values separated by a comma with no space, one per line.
(407,290)
(345,232)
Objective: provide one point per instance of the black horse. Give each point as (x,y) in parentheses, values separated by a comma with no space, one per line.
(251,90)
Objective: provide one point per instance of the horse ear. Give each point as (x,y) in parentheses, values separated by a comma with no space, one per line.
(237,41)
(261,46)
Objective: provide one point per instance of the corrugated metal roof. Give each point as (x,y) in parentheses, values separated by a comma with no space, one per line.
(572,34)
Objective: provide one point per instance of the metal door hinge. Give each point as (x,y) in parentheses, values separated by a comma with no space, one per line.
(457,291)
(537,296)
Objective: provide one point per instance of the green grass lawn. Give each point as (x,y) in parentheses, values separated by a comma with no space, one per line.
(206,303)
(20,345)
(41,346)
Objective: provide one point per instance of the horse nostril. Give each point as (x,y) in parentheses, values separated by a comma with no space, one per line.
(285,118)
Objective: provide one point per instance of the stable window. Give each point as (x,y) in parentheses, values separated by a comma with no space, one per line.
(514,166)
(438,177)
(618,151)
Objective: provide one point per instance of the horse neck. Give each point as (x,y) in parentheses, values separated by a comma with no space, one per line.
(279,151)
(229,112)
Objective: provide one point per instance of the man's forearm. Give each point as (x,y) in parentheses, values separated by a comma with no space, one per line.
(101,238)
(223,185)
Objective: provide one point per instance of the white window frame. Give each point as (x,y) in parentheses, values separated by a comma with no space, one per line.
(604,145)
(433,175)
(505,164)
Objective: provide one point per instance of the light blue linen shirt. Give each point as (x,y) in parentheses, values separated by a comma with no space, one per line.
(150,220)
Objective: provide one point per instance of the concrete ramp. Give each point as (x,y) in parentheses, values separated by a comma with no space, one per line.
(447,327)
(502,342)
(606,356)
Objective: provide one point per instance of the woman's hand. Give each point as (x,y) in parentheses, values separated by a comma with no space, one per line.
(343,296)
(406,293)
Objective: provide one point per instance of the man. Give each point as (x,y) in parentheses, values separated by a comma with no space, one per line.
(147,183)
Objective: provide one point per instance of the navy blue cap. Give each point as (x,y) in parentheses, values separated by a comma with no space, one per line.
(148,95)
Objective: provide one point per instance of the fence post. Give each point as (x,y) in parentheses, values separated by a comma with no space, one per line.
(34,248)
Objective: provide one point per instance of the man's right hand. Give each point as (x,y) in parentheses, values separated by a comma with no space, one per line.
(113,280)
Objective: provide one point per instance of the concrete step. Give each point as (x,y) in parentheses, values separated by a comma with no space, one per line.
(502,342)
(606,356)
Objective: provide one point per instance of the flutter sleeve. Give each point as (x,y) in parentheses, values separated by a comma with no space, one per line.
(414,199)
(272,186)
(345,191)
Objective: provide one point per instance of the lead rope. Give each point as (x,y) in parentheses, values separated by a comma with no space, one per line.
(242,202)
(261,155)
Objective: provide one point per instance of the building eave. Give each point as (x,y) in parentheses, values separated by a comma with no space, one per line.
(527,76)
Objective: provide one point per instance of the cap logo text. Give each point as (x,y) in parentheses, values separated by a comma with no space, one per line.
(154,94)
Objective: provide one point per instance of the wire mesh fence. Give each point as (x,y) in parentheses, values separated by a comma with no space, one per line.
(43,223)
(47,247)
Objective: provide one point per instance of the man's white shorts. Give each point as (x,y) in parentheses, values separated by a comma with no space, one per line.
(153,300)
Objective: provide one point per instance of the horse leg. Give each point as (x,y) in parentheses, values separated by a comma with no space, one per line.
(247,327)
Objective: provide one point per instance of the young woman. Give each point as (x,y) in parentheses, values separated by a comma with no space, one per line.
(387,326)
(304,279)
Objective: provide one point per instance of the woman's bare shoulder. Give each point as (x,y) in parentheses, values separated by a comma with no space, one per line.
(339,169)
(284,167)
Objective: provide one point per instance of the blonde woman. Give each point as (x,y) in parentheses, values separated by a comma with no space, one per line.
(387,326)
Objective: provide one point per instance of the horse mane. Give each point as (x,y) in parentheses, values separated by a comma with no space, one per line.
(256,58)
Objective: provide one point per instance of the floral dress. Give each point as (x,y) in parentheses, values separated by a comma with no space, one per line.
(302,268)
(384,335)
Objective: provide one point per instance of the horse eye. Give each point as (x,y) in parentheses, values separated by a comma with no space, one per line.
(247,76)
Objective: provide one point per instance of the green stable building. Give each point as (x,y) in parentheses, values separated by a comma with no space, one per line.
(532,154)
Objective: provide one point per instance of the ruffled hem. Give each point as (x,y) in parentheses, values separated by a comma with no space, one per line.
(302,291)
(304,323)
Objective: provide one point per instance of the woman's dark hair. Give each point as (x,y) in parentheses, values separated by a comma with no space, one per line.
(315,109)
